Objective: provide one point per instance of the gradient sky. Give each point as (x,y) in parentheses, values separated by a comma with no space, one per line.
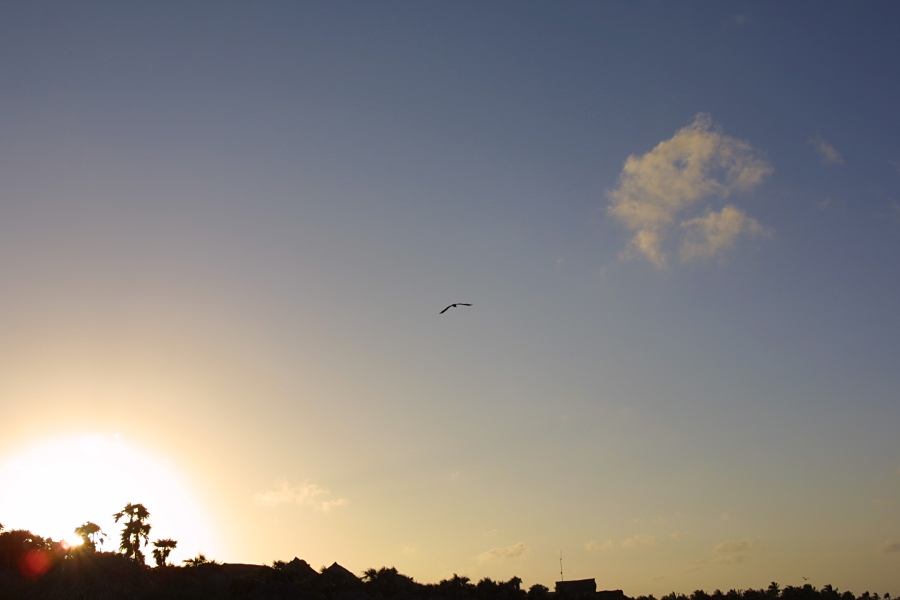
(227,229)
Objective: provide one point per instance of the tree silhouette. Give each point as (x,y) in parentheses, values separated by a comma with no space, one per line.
(90,535)
(388,582)
(135,528)
(458,587)
(28,554)
(161,551)
(198,560)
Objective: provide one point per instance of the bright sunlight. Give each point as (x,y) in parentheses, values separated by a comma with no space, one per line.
(57,485)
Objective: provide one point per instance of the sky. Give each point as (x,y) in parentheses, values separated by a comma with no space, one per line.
(227,230)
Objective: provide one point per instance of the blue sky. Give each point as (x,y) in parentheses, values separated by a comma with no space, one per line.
(227,229)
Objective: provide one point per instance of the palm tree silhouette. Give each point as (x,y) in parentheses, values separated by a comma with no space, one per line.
(162,550)
(135,528)
(90,534)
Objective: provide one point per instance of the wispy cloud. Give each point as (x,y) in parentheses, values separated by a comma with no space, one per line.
(715,232)
(734,552)
(889,547)
(827,152)
(307,494)
(664,196)
(895,210)
(632,542)
(694,565)
(738,20)
(732,546)
(639,540)
(519,550)
(595,546)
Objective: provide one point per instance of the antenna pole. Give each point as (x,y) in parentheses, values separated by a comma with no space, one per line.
(561,578)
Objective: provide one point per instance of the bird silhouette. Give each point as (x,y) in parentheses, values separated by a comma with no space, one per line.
(454,305)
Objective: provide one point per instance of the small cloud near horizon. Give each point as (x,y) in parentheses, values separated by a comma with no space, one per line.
(734,552)
(519,550)
(632,542)
(595,546)
(732,546)
(694,565)
(889,547)
(665,197)
(639,540)
(307,494)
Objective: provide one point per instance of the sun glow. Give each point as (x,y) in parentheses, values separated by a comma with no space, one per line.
(57,485)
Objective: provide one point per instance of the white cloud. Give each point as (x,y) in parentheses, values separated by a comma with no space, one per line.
(639,540)
(889,547)
(595,546)
(827,152)
(694,565)
(710,235)
(733,552)
(327,505)
(673,182)
(735,546)
(307,494)
(519,550)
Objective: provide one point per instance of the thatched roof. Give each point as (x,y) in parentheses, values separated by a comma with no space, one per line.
(300,569)
(338,573)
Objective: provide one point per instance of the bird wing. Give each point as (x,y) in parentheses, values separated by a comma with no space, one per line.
(454,305)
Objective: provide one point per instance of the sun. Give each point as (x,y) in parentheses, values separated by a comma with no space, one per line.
(54,486)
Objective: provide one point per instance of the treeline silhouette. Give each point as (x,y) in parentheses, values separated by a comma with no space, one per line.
(37,568)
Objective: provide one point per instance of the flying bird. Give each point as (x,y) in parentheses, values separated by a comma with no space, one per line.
(454,305)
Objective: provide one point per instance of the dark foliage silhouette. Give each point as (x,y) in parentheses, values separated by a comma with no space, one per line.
(37,568)
(161,551)
(90,535)
(136,529)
